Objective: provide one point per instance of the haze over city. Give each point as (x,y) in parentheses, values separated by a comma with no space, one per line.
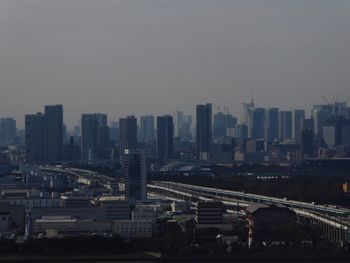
(136,57)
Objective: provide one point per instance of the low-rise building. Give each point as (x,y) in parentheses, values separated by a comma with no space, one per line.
(133,228)
(70,225)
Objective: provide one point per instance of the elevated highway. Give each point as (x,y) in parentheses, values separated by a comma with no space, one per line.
(331,221)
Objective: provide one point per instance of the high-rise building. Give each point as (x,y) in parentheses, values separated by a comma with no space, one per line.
(347,113)
(7,128)
(308,124)
(246,107)
(204,131)
(336,132)
(241,131)
(256,123)
(222,122)
(94,136)
(272,124)
(285,125)
(165,137)
(127,134)
(178,122)
(298,118)
(147,128)
(186,128)
(321,114)
(307,143)
(134,166)
(54,133)
(35,138)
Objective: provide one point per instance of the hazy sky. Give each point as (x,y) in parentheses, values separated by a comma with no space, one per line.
(153,56)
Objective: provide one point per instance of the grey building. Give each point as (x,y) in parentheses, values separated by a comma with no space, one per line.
(53,133)
(285,125)
(127,134)
(256,123)
(204,131)
(222,122)
(94,136)
(298,118)
(321,114)
(272,124)
(147,129)
(165,137)
(35,137)
(210,212)
(7,128)
(134,166)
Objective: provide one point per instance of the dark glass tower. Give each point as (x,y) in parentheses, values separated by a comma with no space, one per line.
(134,166)
(165,137)
(127,134)
(54,133)
(272,124)
(35,138)
(204,131)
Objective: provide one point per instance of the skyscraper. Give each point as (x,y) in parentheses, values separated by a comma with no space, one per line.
(256,123)
(35,138)
(204,131)
(222,122)
(307,143)
(54,133)
(147,128)
(127,134)
(7,128)
(165,137)
(246,107)
(179,120)
(298,118)
(94,136)
(272,124)
(285,125)
(321,114)
(134,166)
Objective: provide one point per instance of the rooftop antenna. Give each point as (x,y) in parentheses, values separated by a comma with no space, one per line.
(251,97)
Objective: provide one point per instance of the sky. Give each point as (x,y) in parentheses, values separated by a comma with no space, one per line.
(155,56)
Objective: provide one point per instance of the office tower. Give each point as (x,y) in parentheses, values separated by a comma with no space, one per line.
(307,143)
(336,132)
(338,108)
(321,114)
(347,113)
(186,128)
(178,122)
(256,123)
(35,138)
(53,133)
(114,131)
(134,166)
(64,133)
(308,124)
(7,128)
(246,107)
(241,131)
(204,131)
(285,125)
(272,124)
(94,136)
(165,137)
(76,130)
(127,134)
(147,128)
(298,118)
(222,122)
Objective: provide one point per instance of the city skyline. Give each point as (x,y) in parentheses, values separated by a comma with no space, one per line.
(136,57)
